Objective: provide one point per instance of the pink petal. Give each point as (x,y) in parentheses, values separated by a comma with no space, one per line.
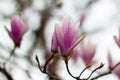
(110,60)
(70,32)
(54,45)
(59,38)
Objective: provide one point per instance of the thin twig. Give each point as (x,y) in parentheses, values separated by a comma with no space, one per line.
(66,62)
(6,73)
(84,70)
(99,67)
(104,74)
(44,70)
(45,67)
(11,54)
(38,63)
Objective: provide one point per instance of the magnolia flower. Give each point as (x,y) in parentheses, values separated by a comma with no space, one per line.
(76,54)
(66,36)
(87,52)
(18,29)
(111,64)
(117,39)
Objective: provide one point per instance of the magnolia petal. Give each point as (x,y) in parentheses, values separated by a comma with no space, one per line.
(60,38)
(17,24)
(54,45)
(70,33)
(110,60)
(8,31)
(117,71)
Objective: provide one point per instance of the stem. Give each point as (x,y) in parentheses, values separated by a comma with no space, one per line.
(6,73)
(104,74)
(45,67)
(93,72)
(101,75)
(99,67)
(11,54)
(84,70)
(66,62)
(38,63)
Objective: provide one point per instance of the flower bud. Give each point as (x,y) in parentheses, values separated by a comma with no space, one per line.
(18,29)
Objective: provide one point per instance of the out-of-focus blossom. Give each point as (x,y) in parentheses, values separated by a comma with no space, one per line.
(54,45)
(87,52)
(66,36)
(111,64)
(110,60)
(117,39)
(76,54)
(117,71)
(18,29)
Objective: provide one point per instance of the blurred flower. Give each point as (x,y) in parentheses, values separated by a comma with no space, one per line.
(18,29)
(76,54)
(54,45)
(117,71)
(87,52)
(117,39)
(111,65)
(110,60)
(66,36)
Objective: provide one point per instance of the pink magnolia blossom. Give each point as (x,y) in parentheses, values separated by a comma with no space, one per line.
(18,29)
(66,36)
(87,52)
(76,54)
(117,39)
(111,63)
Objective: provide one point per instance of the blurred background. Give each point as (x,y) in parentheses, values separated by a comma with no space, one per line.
(101,23)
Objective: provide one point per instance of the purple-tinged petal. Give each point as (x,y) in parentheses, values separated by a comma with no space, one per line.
(70,32)
(76,53)
(110,60)
(59,38)
(117,71)
(88,52)
(9,33)
(111,64)
(54,45)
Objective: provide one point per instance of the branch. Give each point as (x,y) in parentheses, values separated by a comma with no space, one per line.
(66,62)
(104,74)
(45,67)
(6,73)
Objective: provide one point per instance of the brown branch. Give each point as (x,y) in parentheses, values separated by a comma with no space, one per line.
(3,70)
(104,74)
